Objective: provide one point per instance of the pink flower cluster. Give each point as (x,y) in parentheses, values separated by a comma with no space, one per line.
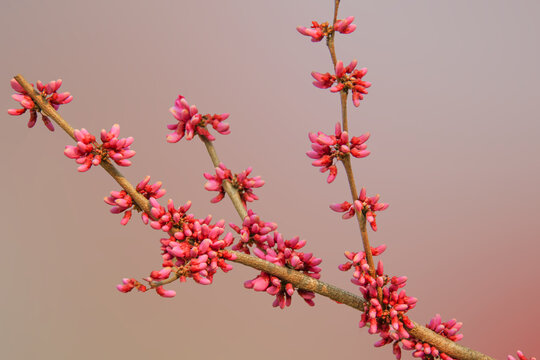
(520,357)
(326,149)
(195,250)
(347,78)
(87,152)
(367,205)
(386,315)
(122,202)
(270,246)
(254,231)
(426,351)
(285,253)
(319,31)
(130,284)
(240,182)
(49,94)
(191,123)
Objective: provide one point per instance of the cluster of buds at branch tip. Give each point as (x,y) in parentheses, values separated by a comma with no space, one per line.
(47,92)
(121,202)
(241,182)
(87,152)
(319,31)
(327,149)
(191,123)
(366,205)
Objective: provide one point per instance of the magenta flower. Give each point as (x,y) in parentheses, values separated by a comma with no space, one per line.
(197,250)
(347,78)
(319,31)
(323,81)
(166,219)
(424,350)
(240,182)
(285,254)
(351,79)
(368,207)
(49,94)
(191,123)
(87,152)
(130,284)
(116,149)
(84,152)
(254,231)
(345,26)
(327,149)
(520,356)
(387,317)
(122,202)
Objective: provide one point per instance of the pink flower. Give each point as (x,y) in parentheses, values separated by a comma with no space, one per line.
(285,253)
(344,26)
(122,202)
(520,356)
(347,78)
(87,152)
(323,81)
(368,207)
(387,317)
(84,151)
(129,284)
(317,31)
(240,182)
(49,94)
(327,149)
(191,123)
(254,231)
(424,350)
(116,149)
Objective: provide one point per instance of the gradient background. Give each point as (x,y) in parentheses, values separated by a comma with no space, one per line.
(453,114)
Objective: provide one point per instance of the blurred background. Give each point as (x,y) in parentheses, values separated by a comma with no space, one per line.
(453,113)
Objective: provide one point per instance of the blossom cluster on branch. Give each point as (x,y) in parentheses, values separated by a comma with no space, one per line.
(197,248)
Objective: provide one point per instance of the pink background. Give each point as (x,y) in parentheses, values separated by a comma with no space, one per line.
(453,114)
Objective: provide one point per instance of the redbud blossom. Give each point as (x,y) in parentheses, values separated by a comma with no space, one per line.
(424,350)
(196,250)
(87,152)
(240,182)
(319,31)
(520,356)
(285,253)
(254,231)
(367,205)
(191,123)
(122,202)
(386,315)
(47,92)
(269,245)
(345,26)
(327,149)
(347,78)
(129,284)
